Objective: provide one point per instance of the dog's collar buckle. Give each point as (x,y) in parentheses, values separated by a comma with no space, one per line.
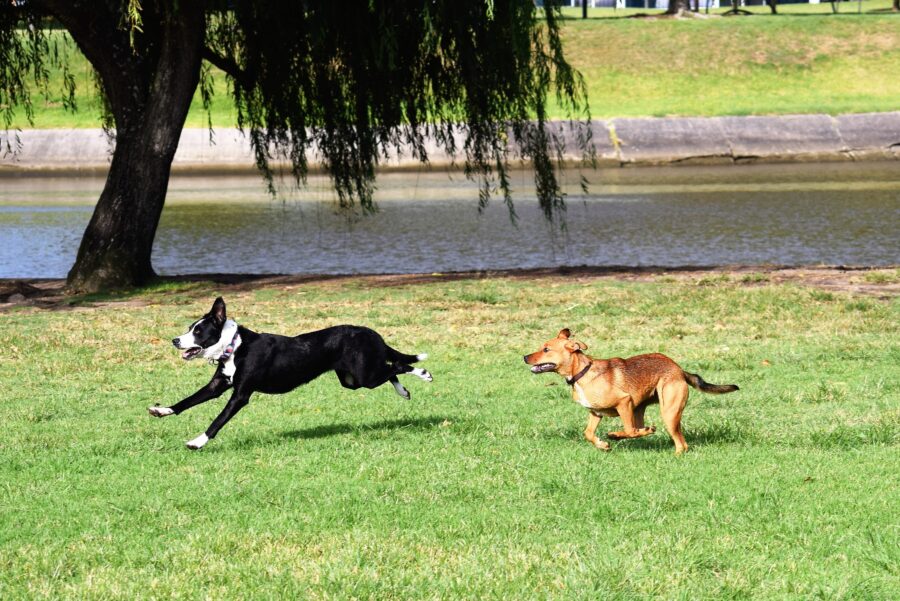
(571,381)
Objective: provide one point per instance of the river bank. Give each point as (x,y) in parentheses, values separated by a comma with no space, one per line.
(877,283)
(620,142)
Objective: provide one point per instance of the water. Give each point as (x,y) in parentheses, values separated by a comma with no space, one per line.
(428,222)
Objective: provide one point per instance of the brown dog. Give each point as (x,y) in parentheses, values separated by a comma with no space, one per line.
(622,387)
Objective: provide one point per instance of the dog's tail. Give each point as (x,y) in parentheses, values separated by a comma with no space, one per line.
(703,386)
(398,357)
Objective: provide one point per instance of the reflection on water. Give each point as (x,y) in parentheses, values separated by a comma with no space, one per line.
(783,214)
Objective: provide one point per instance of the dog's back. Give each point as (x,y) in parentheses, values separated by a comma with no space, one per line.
(282,363)
(641,373)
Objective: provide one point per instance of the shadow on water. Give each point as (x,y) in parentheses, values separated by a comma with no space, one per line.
(328,430)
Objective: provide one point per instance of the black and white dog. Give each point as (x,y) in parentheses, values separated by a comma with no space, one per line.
(250,362)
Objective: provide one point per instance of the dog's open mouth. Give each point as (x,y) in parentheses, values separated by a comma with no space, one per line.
(191,353)
(542,367)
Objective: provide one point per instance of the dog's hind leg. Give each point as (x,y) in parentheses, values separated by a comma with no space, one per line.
(375,376)
(237,401)
(639,418)
(402,360)
(672,399)
(627,414)
(421,373)
(402,368)
(212,390)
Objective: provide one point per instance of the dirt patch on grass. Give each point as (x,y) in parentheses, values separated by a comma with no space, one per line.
(881,283)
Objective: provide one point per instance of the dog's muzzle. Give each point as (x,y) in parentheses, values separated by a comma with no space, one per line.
(188,354)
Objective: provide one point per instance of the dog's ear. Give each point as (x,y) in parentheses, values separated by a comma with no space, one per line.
(218,311)
(564,334)
(574,346)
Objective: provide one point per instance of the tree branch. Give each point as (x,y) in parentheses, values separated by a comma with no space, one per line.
(229,66)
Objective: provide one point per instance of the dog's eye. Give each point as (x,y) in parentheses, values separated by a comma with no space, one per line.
(546,349)
(196,330)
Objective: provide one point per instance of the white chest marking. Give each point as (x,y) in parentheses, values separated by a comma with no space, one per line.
(582,398)
(228,369)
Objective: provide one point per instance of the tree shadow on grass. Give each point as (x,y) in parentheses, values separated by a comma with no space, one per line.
(327,430)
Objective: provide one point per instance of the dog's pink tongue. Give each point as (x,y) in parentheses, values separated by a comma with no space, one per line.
(186,355)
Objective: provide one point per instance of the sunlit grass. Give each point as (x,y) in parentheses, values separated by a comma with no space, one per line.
(738,66)
(480,486)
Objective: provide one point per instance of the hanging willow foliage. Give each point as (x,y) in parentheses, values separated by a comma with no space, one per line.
(358,81)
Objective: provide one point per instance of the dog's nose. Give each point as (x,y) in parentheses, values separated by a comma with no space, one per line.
(525,358)
(175,341)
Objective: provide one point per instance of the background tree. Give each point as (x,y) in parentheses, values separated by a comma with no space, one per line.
(353,80)
(679,8)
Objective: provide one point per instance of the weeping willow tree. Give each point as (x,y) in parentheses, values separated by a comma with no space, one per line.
(352,81)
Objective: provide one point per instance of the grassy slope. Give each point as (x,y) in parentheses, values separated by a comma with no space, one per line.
(808,62)
(739,66)
(479,487)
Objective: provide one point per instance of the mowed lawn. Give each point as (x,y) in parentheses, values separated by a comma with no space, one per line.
(758,65)
(806,60)
(480,487)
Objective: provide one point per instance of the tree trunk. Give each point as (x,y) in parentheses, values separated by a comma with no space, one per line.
(773,6)
(896,6)
(116,248)
(678,7)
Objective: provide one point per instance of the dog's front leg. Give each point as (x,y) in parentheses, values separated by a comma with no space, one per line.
(238,399)
(589,432)
(213,389)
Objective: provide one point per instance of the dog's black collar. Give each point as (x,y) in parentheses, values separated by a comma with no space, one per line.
(571,381)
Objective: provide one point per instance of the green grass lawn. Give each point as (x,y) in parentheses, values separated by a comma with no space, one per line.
(480,487)
(806,60)
(791,63)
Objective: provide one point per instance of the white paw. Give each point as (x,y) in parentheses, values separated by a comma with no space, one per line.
(421,373)
(198,442)
(160,411)
(602,445)
(421,356)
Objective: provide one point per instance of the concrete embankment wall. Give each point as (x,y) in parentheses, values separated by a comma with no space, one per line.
(619,142)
